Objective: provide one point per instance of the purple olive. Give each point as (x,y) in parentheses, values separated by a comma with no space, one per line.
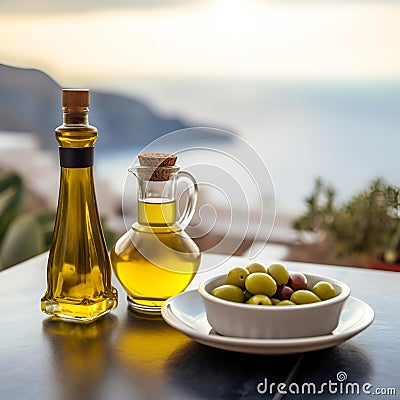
(284,292)
(297,281)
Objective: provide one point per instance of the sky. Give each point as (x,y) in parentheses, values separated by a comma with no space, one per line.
(283,39)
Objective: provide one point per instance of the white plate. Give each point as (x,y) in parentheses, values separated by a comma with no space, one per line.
(186,313)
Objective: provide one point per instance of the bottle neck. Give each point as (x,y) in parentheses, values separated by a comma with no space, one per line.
(75,176)
(77,187)
(75,132)
(156,202)
(75,116)
(157,212)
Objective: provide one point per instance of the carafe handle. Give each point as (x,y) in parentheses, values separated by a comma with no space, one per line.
(190,207)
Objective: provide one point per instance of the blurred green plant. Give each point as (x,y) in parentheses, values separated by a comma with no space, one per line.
(22,235)
(109,235)
(25,235)
(11,194)
(368,224)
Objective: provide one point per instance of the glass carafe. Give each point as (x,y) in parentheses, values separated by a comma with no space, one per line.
(156,259)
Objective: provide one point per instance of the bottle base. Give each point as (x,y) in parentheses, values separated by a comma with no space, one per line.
(153,310)
(85,311)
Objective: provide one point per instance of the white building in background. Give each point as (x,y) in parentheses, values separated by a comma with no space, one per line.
(40,170)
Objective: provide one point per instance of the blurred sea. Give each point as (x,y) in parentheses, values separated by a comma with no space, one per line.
(345,132)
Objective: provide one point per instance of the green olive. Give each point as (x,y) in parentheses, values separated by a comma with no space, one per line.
(275,301)
(237,276)
(285,303)
(229,292)
(304,297)
(279,272)
(256,267)
(260,299)
(324,290)
(261,283)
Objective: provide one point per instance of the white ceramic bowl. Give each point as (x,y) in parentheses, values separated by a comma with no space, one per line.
(272,322)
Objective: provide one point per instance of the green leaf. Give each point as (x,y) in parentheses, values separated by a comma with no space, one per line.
(22,241)
(11,194)
(28,235)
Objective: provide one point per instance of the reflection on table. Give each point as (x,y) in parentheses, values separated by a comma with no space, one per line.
(125,356)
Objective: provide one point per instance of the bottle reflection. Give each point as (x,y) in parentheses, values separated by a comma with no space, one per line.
(80,355)
(144,347)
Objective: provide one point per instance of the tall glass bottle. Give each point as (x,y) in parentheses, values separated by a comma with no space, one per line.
(78,270)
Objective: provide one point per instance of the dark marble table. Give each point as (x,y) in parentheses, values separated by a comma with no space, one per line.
(123,356)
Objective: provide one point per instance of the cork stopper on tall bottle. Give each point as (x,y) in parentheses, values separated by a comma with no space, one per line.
(75,98)
(160,166)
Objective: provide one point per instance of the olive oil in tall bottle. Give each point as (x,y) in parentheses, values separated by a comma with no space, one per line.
(78,270)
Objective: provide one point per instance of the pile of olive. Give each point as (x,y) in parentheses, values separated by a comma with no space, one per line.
(272,285)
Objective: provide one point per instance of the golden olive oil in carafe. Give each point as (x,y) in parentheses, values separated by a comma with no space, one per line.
(78,270)
(155,259)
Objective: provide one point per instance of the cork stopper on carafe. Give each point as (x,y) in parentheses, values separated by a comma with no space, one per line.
(159,166)
(75,98)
